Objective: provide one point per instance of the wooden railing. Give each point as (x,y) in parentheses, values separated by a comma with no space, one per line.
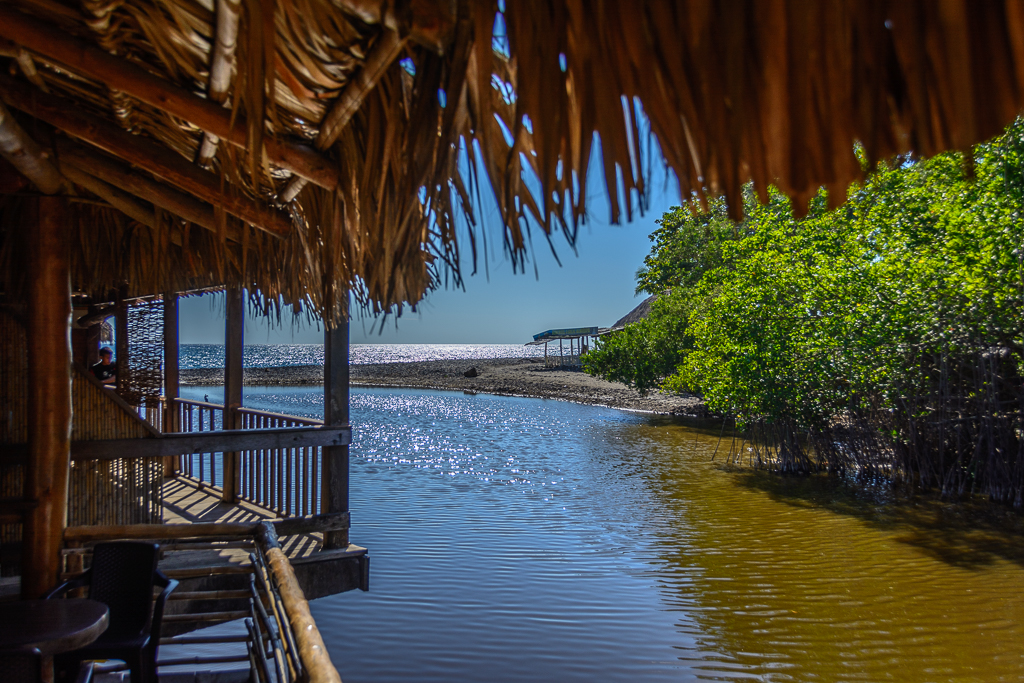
(284,480)
(282,638)
(200,416)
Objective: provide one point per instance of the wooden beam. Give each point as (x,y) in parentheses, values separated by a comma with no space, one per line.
(161,532)
(22,151)
(80,57)
(385,51)
(49,395)
(122,201)
(219,441)
(221,63)
(75,156)
(144,153)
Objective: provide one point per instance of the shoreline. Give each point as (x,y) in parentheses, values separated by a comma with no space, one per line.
(524,377)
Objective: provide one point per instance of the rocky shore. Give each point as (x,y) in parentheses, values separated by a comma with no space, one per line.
(503,376)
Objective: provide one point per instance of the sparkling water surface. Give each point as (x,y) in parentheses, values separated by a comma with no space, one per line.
(282,355)
(528,540)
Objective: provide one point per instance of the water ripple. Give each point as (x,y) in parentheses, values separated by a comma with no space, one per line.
(524,540)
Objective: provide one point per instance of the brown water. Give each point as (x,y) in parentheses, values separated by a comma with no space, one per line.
(802,577)
(516,539)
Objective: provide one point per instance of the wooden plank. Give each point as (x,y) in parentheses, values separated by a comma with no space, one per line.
(212,659)
(49,394)
(158,532)
(144,153)
(292,526)
(163,532)
(80,57)
(204,640)
(23,152)
(220,441)
(210,595)
(207,616)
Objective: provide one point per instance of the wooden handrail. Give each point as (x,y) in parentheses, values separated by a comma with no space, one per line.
(281,416)
(214,441)
(249,411)
(199,404)
(312,651)
(163,532)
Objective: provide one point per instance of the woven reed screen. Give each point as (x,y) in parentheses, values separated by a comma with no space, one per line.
(143,380)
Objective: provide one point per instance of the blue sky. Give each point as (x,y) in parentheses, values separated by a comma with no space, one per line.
(594,286)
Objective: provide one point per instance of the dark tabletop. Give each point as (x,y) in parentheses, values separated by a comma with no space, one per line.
(53,626)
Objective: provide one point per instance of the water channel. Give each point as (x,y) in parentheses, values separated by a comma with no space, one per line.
(527,540)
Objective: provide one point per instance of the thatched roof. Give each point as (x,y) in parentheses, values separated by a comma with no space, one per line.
(637,314)
(361,112)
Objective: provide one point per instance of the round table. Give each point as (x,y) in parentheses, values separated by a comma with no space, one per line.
(52,626)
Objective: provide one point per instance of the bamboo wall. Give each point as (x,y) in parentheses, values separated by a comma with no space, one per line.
(13,429)
(119,491)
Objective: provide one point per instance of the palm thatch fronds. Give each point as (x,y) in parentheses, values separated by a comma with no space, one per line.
(412,111)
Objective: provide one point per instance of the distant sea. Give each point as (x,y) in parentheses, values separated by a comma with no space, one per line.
(281,355)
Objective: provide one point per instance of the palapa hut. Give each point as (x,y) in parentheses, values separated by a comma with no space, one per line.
(309,149)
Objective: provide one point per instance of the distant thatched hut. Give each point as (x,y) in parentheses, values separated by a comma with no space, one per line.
(637,314)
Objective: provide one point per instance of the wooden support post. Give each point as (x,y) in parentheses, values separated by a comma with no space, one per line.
(121,338)
(170,373)
(334,484)
(49,395)
(234,340)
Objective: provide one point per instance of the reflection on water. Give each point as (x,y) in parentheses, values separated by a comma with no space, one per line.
(517,539)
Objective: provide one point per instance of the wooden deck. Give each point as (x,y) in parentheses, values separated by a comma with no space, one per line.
(318,570)
(185,503)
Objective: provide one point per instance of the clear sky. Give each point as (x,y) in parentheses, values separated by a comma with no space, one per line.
(594,286)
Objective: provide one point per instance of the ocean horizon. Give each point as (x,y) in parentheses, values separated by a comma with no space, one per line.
(196,356)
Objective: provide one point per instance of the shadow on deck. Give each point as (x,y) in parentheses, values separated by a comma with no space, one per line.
(320,572)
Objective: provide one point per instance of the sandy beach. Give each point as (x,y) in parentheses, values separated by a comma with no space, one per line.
(503,376)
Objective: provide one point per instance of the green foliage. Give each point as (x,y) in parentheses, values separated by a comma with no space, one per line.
(645,352)
(802,319)
(842,310)
(687,244)
(893,322)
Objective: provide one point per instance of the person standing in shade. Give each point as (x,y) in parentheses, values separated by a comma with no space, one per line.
(105,371)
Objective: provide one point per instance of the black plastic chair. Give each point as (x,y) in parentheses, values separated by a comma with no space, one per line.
(122,577)
(26,666)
